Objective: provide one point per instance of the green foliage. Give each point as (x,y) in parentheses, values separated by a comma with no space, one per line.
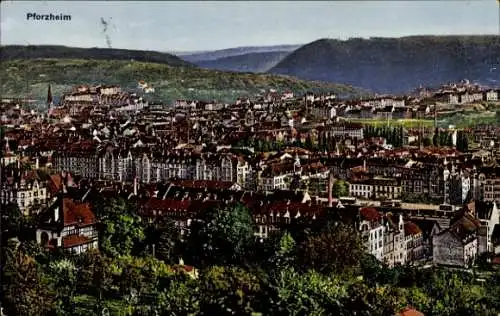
(340,189)
(63,274)
(169,239)
(285,254)
(453,294)
(12,220)
(170,83)
(228,291)
(122,231)
(25,288)
(336,249)
(462,141)
(11,52)
(423,198)
(393,134)
(222,235)
(410,59)
(319,269)
(181,297)
(310,293)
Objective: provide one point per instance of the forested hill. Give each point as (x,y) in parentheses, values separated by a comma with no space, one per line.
(252,62)
(395,65)
(12,52)
(236,51)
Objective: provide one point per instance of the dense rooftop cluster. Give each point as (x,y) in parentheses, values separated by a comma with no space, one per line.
(409,191)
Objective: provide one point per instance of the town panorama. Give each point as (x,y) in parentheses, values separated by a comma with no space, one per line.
(128,189)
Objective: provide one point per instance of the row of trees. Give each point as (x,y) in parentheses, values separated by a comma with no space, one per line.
(393,134)
(309,268)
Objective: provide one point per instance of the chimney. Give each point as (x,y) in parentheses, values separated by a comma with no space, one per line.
(330,189)
(135,186)
(37,163)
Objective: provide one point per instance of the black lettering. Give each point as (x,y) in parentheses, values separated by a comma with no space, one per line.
(48,17)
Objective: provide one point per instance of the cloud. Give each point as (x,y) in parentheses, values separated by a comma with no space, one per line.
(136,25)
(7,24)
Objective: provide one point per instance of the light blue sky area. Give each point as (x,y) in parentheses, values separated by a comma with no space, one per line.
(187,26)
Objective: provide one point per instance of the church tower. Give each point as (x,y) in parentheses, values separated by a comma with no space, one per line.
(49,97)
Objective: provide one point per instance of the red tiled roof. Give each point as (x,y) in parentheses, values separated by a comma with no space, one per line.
(496,260)
(370,214)
(408,311)
(168,204)
(412,229)
(74,240)
(55,184)
(77,213)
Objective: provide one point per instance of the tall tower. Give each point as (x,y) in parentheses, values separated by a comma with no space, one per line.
(49,97)
(435,116)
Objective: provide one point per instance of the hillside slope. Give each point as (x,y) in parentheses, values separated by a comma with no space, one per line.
(396,65)
(32,76)
(63,52)
(252,62)
(237,51)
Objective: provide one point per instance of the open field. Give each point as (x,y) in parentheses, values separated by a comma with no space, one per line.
(469,120)
(407,123)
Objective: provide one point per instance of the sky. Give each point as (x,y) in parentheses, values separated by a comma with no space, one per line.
(207,25)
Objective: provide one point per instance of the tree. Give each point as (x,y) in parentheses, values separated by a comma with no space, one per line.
(308,143)
(26,290)
(12,220)
(452,293)
(122,230)
(462,141)
(340,189)
(427,142)
(181,297)
(436,138)
(222,235)
(310,293)
(169,237)
(284,254)
(365,300)
(228,290)
(64,275)
(336,249)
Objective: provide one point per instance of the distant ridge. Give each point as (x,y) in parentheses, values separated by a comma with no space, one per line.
(251,62)
(12,52)
(194,57)
(396,65)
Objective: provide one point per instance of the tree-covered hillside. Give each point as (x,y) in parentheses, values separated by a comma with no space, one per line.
(395,65)
(252,62)
(32,76)
(62,52)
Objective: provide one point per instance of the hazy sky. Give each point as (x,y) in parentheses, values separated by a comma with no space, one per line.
(186,26)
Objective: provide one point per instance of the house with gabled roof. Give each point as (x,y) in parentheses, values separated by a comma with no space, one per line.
(488,215)
(68,225)
(372,231)
(26,188)
(458,244)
